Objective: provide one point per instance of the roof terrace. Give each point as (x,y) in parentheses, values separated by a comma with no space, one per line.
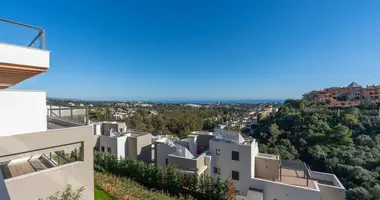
(18,63)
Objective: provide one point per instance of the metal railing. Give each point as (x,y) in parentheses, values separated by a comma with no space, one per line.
(69,113)
(40,35)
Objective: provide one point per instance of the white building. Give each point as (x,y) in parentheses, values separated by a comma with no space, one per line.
(193,105)
(34,161)
(256,176)
(113,137)
(189,155)
(259,176)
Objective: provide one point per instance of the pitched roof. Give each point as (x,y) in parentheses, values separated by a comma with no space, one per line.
(353,84)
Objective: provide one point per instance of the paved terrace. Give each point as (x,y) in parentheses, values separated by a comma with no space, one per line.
(25,167)
(297,178)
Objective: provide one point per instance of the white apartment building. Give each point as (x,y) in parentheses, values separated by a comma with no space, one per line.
(189,155)
(256,176)
(37,159)
(259,176)
(115,138)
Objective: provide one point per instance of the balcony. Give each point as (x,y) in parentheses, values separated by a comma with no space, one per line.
(17,62)
(42,163)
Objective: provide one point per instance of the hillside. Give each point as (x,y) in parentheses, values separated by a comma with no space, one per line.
(345,142)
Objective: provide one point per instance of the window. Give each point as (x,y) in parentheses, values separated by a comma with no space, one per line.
(216,170)
(235,155)
(217,151)
(102,148)
(166,161)
(109,150)
(235,175)
(121,130)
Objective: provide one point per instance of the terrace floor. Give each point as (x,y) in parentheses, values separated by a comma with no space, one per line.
(24,167)
(297,178)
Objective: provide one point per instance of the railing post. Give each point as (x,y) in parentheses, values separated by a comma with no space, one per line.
(59,111)
(86,115)
(71,113)
(42,40)
(51,112)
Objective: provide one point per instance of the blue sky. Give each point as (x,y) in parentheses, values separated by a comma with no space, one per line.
(199,50)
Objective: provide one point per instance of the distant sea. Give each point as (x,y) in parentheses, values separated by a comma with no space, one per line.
(216,101)
(243,101)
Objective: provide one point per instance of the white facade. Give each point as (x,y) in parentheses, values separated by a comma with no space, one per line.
(117,145)
(24,139)
(22,112)
(250,187)
(20,55)
(224,162)
(162,153)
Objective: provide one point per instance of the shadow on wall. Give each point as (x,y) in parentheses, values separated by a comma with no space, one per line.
(145,154)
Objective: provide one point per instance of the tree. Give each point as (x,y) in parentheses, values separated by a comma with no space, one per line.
(341,134)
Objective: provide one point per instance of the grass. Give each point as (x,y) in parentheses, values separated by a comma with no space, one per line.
(101,195)
(125,189)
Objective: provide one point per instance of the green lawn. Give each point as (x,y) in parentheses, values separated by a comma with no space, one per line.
(101,195)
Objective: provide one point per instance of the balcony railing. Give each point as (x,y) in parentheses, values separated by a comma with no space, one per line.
(40,35)
(77,115)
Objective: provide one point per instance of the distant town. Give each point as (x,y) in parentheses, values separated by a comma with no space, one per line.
(232,116)
(352,95)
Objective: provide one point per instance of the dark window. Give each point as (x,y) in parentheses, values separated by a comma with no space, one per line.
(217,151)
(109,150)
(216,170)
(235,175)
(166,161)
(235,155)
(121,130)
(102,148)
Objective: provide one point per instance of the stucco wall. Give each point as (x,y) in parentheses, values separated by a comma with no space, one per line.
(22,112)
(276,190)
(132,147)
(331,193)
(44,183)
(122,147)
(19,55)
(106,127)
(226,164)
(183,163)
(162,151)
(108,142)
(267,168)
(140,147)
(204,140)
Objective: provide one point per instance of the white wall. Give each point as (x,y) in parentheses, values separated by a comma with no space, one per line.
(254,153)
(226,164)
(122,147)
(22,112)
(163,151)
(107,141)
(276,190)
(118,145)
(19,55)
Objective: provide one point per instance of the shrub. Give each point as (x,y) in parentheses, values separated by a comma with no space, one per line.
(67,194)
(167,180)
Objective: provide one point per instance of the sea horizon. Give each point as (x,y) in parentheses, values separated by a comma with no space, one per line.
(238,101)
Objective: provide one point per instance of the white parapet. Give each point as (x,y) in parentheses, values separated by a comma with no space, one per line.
(26,56)
(22,112)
